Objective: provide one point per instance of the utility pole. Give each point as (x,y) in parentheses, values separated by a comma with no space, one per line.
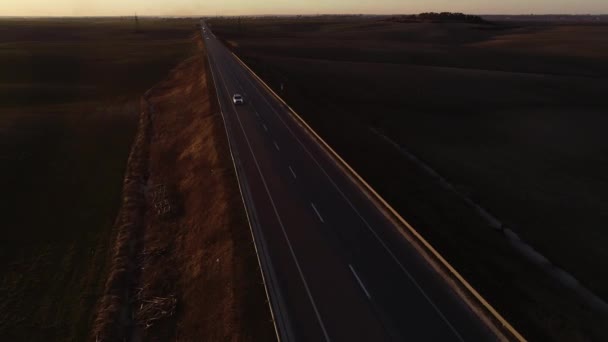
(136,23)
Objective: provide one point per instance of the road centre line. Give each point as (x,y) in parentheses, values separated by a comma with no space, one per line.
(359,281)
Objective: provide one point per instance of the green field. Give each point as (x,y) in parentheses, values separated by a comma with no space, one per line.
(69,99)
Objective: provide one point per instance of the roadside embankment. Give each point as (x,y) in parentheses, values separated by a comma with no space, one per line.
(188,270)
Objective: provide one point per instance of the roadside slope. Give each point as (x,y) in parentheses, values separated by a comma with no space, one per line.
(196,274)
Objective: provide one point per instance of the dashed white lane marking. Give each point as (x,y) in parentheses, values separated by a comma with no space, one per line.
(359,280)
(265,128)
(317,212)
(293,173)
(276,145)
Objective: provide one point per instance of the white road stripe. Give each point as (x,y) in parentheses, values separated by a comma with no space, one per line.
(276,145)
(292,172)
(317,212)
(359,280)
(265,128)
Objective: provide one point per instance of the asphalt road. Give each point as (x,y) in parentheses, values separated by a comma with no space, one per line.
(335,266)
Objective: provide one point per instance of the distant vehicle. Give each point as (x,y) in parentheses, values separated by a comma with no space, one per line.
(238,99)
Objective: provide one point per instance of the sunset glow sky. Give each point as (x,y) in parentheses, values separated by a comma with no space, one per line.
(243,7)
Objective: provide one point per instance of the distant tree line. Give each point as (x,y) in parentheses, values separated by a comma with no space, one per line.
(440,18)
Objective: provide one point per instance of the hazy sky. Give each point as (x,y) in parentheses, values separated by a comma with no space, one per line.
(237,7)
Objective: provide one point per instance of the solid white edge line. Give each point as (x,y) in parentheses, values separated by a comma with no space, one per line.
(359,281)
(282,226)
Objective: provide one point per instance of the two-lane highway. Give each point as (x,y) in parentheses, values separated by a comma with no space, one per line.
(335,266)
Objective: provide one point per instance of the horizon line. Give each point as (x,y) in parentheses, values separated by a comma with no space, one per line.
(289,15)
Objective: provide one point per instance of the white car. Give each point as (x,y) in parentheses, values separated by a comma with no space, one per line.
(238,99)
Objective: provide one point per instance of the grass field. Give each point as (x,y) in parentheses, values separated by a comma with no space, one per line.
(69,98)
(512,115)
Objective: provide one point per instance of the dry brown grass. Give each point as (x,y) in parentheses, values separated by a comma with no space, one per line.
(197,276)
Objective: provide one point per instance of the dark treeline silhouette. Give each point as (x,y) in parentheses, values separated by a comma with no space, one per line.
(440,17)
